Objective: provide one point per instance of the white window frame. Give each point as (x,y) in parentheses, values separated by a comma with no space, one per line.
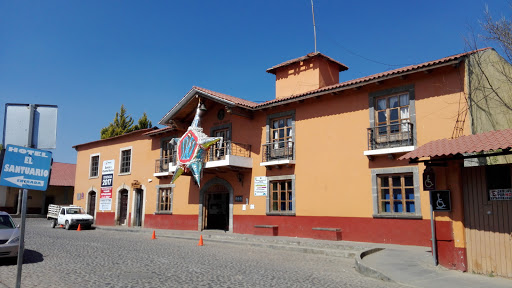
(90,165)
(121,160)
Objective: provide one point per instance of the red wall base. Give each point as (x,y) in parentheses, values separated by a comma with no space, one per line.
(175,222)
(375,230)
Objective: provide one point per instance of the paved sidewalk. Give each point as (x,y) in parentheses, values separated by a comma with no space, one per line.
(407,265)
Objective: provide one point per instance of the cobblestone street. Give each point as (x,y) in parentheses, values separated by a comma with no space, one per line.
(102,258)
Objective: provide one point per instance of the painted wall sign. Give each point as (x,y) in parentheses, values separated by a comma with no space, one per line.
(440,200)
(26,168)
(260,186)
(500,194)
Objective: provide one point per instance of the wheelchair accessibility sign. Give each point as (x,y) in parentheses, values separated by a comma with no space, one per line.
(440,200)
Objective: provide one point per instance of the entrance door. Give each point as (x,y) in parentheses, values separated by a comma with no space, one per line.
(488,222)
(92,203)
(123,210)
(138,207)
(216,212)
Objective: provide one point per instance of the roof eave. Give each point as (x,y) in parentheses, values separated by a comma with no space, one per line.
(186,99)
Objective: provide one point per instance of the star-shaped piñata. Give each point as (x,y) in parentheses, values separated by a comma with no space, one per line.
(192,149)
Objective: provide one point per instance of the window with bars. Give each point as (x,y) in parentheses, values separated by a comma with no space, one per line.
(392,114)
(126,159)
(164,199)
(95,166)
(396,194)
(281,196)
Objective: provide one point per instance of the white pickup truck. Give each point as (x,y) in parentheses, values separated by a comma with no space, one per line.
(69,216)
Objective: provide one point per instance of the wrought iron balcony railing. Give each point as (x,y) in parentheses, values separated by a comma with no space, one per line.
(162,164)
(390,136)
(219,151)
(278,151)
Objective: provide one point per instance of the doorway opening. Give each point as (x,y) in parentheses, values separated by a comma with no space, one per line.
(123,206)
(139,195)
(91,208)
(216,208)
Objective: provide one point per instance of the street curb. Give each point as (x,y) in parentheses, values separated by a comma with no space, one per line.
(368,271)
(245,241)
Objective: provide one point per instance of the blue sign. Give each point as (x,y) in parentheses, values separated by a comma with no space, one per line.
(26,168)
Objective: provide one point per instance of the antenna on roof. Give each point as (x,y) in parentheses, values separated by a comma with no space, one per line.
(314,27)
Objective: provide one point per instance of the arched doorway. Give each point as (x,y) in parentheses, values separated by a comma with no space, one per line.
(91,208)
(139,197)
(123,206)
(216,207)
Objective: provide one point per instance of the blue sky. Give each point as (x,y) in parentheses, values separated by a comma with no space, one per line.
(89,57)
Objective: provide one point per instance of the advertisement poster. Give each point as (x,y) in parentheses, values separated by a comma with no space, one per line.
(260,186)
(106,198)
(107,180)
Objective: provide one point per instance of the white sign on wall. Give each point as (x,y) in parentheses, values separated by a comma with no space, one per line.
(108,167)
(260,186)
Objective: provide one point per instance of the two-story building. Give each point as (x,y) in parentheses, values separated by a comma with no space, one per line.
(320,160)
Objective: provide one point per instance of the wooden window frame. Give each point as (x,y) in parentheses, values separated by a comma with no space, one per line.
(399,121)
(92,167)
(169,204)
(403,200)
(290,179)
(286,137)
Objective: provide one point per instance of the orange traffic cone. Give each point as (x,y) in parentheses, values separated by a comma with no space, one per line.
(200,241)
(79,228)
(154,236)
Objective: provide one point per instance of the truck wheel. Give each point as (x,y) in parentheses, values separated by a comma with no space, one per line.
(54,223)
(67,225)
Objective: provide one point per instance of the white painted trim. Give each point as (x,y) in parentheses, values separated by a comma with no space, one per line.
(278,162)
(230,160)
(389,150)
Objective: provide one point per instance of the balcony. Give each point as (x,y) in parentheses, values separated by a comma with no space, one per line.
(278,153)
(389,139)
(165,166)
(229,154)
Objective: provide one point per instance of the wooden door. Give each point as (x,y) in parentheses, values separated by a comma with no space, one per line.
(123,211)
(92,203)
(138,207)
(488,226)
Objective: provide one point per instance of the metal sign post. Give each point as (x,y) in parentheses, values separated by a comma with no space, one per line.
(33,126)
(440,201)
(21,248)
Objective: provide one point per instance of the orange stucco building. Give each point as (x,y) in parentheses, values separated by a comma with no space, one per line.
(320,160)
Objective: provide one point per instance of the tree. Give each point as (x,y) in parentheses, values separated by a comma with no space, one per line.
(143,123)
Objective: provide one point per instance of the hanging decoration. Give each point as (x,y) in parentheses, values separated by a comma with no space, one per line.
(193,147)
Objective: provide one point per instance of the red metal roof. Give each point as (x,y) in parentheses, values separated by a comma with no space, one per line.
(341,66)
(63,174)
(488,141)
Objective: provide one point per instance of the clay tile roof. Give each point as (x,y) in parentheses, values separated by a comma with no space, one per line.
(234,100)
(341,66)
(488,141)
(393,73)
(63,174)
